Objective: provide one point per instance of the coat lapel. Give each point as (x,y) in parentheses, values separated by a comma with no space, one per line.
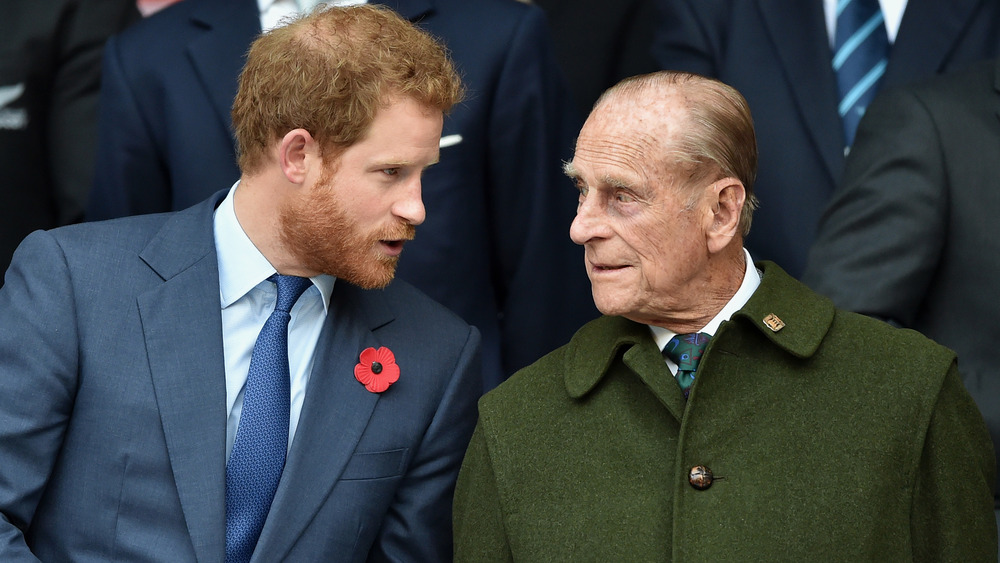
(805,56)
(594,349)
(334,416)
(182,327)
(927,35)
(219,53)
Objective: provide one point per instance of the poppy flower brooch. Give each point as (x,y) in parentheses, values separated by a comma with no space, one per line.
(377,369)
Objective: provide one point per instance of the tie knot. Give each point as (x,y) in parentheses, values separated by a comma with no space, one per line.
(290,288)
(686,350)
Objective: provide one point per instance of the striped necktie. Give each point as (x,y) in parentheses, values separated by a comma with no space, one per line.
(861,50)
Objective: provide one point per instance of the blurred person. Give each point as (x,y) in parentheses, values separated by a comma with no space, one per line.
(781,55)
(50,70)
(493,248)
(598,43)
(905,238)
(242,378)
(721,410)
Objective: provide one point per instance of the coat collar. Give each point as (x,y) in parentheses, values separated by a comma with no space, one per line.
(806,318)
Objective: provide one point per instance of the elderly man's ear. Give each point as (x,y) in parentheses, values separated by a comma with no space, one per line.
(725,199)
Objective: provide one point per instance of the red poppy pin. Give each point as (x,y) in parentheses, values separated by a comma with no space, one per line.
(377,369)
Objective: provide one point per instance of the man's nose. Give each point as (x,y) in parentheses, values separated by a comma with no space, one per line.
(410,207)
(589,222)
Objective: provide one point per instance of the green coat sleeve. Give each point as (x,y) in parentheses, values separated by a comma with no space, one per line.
(952,518)
(478,518)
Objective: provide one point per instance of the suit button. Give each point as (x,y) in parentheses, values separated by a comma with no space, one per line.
(700,477)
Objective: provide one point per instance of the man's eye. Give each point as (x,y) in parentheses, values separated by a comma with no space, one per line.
(584,190)
(390,171)
(622,197)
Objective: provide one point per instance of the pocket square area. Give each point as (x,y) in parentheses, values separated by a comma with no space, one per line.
(450,140)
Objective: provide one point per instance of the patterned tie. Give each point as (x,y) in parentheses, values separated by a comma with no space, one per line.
(258,455)
(686,350)
(861,50)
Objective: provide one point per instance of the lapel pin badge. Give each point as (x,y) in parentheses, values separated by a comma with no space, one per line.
(774,323)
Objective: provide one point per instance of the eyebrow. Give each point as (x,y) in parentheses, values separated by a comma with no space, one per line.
(617,182)
(570,170)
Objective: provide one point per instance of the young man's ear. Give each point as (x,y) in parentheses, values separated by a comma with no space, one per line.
(296,152)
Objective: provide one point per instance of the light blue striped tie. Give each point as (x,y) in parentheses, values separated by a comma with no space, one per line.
(861,50)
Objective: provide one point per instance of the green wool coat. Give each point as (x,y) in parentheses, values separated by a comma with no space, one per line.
(834,438)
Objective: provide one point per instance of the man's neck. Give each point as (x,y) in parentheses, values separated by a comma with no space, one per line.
(710,298)
(258,213)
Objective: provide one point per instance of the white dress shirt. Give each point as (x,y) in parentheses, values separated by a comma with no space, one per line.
(751,279)
(892,11)
(273,11)
(247,300)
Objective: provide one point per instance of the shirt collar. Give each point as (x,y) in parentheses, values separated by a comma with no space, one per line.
(751,279)
(264,5)
(241,265)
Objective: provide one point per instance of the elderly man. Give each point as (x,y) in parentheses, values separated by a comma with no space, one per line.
(229,381)
(804,434)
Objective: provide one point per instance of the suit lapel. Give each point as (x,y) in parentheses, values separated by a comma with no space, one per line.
(927,35)
(798,31)
(182,327)
(335,414)
(219,53)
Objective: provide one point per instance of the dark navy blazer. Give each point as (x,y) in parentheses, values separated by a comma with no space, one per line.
(777,54)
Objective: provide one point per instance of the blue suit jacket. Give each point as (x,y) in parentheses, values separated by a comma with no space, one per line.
(495,246)
(113,418)
(777,54)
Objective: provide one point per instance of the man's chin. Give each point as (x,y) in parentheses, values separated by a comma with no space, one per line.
(372,283)
(372,278)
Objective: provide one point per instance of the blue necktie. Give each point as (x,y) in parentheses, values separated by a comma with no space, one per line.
(258,455)
(861,51)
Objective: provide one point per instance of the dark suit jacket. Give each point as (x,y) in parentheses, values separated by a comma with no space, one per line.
(495,246)
(907,237)
(777,54)
(113,418)
(836,438)
(598,43)
(50,68)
